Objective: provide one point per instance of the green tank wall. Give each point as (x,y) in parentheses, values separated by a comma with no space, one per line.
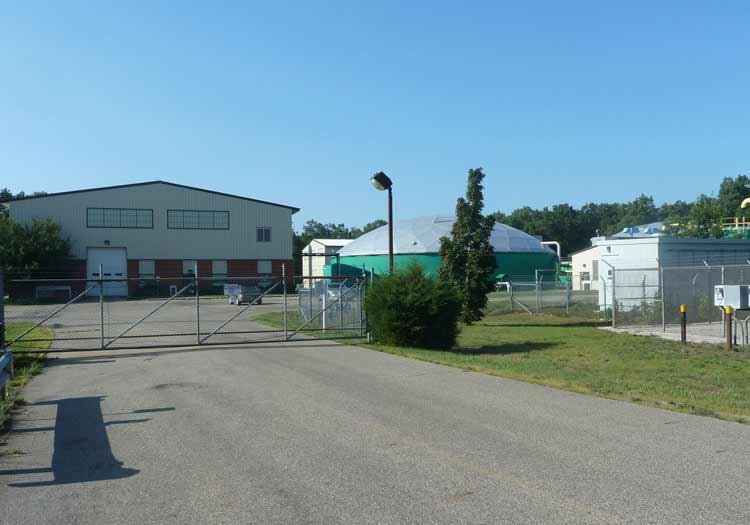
(513,266)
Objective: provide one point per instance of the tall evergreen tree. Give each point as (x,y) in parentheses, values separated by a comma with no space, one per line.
(467,256)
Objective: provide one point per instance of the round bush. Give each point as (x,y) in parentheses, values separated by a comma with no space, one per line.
(406,308)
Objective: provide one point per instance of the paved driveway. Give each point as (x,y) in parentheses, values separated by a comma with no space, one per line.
(322,433)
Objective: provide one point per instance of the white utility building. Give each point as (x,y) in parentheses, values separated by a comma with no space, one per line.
(632,260)
(585,268)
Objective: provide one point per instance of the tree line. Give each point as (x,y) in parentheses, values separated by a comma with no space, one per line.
(574,227)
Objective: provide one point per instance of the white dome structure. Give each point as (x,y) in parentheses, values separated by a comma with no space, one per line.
(419,239)
(423,234)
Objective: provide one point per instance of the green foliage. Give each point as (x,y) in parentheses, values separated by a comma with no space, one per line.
(7,195)
(732,192)
(406,308)
(573,228)
(467,257)
(31,246)
(703,220)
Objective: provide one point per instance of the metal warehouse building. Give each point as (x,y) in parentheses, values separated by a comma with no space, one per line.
(161,229)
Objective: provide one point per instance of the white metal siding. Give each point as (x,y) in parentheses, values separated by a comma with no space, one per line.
(584,262)
(239,242)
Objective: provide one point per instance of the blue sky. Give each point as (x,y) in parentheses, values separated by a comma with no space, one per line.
(300,103)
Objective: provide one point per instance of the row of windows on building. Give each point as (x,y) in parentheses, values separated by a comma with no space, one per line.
(176,220)
(147,268)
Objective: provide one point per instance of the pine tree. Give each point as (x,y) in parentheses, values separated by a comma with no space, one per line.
(467,257)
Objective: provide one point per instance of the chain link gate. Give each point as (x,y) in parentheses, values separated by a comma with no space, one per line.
(78,314)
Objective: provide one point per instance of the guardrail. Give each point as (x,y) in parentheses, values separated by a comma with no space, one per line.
(6,372)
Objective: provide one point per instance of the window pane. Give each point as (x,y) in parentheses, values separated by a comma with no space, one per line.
(112,218)
(221,220)
(206,220)
(219,267)
(264,267)
(174,219)
(267,235)
(259,235)
(198,219)
(128,219)
(146,267)
(145,219)
(95,217)
(190,219)
(188,267)
(119,218)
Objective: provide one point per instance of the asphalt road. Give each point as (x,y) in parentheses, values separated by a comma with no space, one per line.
(313,432)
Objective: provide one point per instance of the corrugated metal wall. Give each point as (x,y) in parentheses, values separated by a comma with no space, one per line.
(239,242)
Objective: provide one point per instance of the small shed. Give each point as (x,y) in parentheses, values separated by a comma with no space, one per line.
(320,253)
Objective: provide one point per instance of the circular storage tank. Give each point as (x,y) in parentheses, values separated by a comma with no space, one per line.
(517,254)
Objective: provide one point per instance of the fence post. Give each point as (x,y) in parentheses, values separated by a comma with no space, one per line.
(2,311)
(604,289)
(325,304)
(510,288)
(683,324)
(537,290)
(197,304)
(101,304)
(728,327)
(614,299)
(568,285)
(283,277)
(663,307)
(361,304)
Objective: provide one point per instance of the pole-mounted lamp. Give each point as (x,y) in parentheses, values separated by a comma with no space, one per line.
(381,182)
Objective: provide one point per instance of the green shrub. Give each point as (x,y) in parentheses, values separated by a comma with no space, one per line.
(407,308)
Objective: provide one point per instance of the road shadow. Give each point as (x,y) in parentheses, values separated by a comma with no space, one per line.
(507,348)
(111,356)
(82,452)
(57,361)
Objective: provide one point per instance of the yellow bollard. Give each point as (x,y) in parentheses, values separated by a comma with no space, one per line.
(683,324)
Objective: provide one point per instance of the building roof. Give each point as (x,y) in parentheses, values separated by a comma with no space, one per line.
(294,209)
(423,234)
(333,242)
(577,252)
(652,229)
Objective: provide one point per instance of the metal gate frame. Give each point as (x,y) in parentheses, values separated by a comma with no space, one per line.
(201,338)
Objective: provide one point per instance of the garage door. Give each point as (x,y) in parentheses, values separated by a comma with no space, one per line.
(113,263)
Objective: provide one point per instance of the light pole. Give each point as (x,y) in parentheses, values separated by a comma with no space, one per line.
(381,182)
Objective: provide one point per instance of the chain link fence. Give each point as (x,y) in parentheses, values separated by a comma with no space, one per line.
(545,296)
(648,300)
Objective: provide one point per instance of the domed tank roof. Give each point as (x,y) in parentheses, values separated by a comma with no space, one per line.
(422,235)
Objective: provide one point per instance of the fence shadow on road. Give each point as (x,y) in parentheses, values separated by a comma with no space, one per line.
(82,452)
(66,361)
(113,355)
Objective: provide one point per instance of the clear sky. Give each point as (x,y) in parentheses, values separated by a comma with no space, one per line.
(300,103)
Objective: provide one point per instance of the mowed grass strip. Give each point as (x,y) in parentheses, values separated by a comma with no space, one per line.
(26,365)
(294,321)
(573,354)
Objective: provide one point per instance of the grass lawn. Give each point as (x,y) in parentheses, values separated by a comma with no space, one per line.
(276,320)
(571,353)
(26,365)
